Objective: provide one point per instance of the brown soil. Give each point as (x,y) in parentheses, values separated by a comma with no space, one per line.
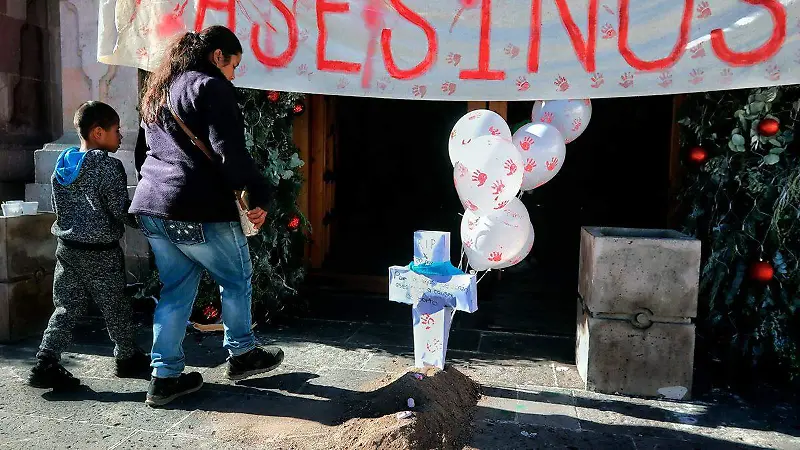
(444,404)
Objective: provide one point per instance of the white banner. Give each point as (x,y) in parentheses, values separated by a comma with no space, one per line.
(477,49)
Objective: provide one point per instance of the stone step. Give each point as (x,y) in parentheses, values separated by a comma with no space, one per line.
(45,162)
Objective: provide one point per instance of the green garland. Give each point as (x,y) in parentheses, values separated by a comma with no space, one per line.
(743,202)
(278,250)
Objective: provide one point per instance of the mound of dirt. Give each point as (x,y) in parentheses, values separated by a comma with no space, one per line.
(444,404)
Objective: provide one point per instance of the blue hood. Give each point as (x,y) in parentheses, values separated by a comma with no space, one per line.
(68,166)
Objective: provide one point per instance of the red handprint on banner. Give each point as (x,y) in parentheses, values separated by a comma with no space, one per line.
(773,73)
(608,31)
(665,79)
(562,84)
(703,10)
(696,76)
(511,50)
(522,84)
(419,90)
(626,80)
(448,88)
(698,51)
(453,58)
(726,76)
(597,80)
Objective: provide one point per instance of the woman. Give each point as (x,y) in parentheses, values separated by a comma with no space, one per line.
(185,205)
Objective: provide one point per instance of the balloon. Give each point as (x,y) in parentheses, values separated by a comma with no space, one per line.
(496,239)
(526,249)
(480,122)
(543,152)
(488,175)
(570,117)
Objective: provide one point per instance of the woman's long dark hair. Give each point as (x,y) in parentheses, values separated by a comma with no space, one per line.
(190,52)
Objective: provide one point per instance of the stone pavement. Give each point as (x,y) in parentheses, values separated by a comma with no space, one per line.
(531,397)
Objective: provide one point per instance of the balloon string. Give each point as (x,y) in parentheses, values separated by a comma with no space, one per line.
(482,276)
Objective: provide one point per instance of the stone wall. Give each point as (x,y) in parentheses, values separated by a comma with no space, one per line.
(79,78)
(30,92)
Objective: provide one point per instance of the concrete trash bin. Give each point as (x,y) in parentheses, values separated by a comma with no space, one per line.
(637,298)
(27,261)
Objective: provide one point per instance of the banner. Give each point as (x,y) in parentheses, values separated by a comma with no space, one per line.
(477,49)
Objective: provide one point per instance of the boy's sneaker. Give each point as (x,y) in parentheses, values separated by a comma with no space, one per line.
(52,375)
(165,390)
(254,362)
(137,366)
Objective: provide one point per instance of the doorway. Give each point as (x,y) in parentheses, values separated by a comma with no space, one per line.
(393,176)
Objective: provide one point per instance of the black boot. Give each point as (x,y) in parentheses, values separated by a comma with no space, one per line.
(136,366)
(165,390)
(254,362)
(49,374)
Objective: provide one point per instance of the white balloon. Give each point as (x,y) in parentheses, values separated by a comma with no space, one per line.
(570,117)
(526,249)
(488,175)
(543,151)
(480,122)
(495,240)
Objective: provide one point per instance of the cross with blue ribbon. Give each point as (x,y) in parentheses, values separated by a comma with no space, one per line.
(436,290)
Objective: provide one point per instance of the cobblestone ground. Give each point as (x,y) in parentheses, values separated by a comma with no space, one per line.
(532,397)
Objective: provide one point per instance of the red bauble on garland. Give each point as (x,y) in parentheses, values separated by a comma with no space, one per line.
(210,312)
(768,127)
(299,108)
(698,155)
(762,271)
(273,96)
(294,223)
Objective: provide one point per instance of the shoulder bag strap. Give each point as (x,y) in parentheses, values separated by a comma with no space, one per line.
(240,195)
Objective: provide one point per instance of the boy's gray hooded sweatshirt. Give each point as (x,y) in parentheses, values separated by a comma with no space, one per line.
(90,197)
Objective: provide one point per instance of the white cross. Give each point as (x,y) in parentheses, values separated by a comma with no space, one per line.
(435,298)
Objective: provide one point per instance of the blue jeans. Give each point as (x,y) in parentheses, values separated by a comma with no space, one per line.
(182,250)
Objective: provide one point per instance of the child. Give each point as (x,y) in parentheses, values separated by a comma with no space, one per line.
(91,202)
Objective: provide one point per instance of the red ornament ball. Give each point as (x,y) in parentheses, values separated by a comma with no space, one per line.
(298,109)
(294,223)
(762,271)
(698,155)
(768,127)
(273,96)
(210,312)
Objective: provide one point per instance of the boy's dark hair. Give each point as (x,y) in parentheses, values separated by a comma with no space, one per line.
(94,114)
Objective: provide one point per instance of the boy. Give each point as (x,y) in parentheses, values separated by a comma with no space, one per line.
(90,200)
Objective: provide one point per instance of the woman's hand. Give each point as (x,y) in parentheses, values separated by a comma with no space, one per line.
(257,217)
